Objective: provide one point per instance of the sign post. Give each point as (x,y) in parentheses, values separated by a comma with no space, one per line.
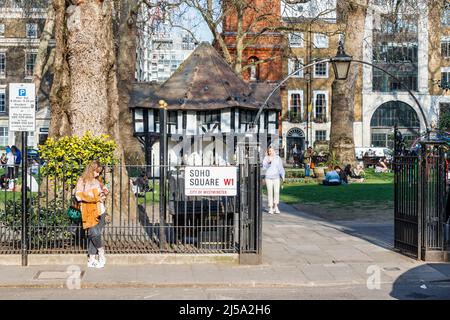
(22,117)
(210,181)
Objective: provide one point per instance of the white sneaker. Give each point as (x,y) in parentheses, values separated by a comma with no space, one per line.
(270,211)
(277,211)
(102,260)
(95,264)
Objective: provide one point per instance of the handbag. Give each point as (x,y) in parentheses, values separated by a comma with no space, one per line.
(74,210)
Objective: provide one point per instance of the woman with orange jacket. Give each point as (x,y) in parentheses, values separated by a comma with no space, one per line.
(92,195)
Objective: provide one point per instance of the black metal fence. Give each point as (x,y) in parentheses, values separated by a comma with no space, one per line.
(144,216)
(421,193)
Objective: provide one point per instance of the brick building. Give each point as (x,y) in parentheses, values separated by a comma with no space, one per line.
(20,30)
(413,45)
(266,46)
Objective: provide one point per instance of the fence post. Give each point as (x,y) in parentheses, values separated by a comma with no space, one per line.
(420,199)
(24,234)
(253,224)
(162,171)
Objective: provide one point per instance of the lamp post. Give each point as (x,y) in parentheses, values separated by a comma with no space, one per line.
(162,171)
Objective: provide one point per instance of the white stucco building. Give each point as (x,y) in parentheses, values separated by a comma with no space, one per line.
(161,49)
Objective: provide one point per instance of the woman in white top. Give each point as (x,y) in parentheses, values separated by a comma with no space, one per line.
(273,165)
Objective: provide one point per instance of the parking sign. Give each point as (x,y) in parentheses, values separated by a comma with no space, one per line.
(22,107)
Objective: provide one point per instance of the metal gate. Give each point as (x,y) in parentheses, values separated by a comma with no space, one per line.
(406,201)
(420,198)
(147,216)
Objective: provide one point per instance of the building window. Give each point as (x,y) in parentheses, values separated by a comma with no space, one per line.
(395,112)
(445,78)
(295,107)
(445,49)
(245,119)
(379,140)
(208,117)
(162,45)
(2,30)
(296,40)
(395,49)
(320,106)
(2,100)
(208,120)
(253,70)
(321,135)
(295,64)
(2,64)
(445,18)
(138,121)
(4,136)
(30,61)
(320,40)
(32,30)
(321,70)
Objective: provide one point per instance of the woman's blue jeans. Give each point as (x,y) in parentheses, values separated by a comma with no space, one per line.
(307,170)
(95,236)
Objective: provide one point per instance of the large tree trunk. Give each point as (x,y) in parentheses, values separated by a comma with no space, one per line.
(342,146)
(126,64)
(43,57)
(59,95)
(85,94)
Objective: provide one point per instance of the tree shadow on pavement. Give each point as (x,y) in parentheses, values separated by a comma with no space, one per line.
(429,281)
(379,233)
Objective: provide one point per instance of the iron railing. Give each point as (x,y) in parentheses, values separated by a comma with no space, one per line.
(213,224)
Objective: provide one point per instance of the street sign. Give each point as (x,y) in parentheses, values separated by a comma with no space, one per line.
(22,107)
(210,181)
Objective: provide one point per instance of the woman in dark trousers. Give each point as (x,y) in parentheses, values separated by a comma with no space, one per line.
(92,195)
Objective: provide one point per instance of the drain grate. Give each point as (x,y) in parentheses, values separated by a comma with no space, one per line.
(54,275)
(392,269)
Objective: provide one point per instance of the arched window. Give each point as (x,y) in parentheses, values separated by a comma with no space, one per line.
(296,133)
(387,116)
(254,69)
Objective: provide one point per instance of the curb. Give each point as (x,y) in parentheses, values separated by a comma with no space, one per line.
(237,285)
(122,259)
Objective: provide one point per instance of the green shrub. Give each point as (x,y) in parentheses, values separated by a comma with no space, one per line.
(51,220)
(295,173)
(67,156)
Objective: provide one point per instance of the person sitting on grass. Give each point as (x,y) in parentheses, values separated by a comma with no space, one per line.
(333,178)
(381,167)
(349,172)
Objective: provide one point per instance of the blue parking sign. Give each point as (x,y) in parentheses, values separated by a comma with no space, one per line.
(22,92)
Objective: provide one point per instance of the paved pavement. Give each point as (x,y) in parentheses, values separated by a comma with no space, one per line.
(304,257)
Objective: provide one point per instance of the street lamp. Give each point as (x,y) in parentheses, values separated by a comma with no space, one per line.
(341,63)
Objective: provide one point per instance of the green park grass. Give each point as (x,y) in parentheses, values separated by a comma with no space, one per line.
(371,200)
(377,188)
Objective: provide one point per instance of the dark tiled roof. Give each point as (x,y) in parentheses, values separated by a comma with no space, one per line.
(204,81)
(142,93)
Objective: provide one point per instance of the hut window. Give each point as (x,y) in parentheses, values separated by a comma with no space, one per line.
(138,120)
(208,117)
(246,116)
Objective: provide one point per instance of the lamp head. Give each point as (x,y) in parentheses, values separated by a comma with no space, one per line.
(341,63)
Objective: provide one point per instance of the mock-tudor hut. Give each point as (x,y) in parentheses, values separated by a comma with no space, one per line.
(209,108)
